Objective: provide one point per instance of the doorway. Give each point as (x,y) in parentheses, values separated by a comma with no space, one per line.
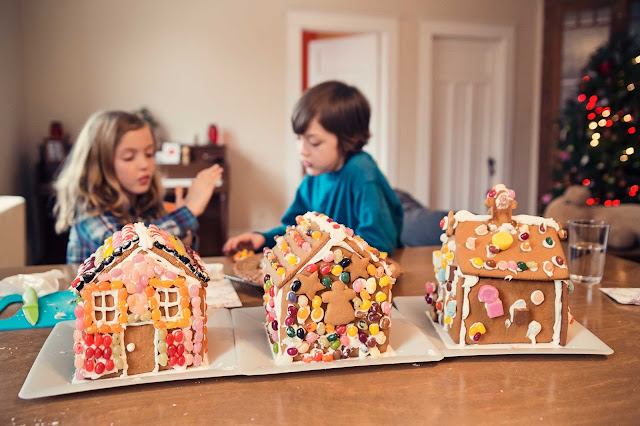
(335,58)
(464,113)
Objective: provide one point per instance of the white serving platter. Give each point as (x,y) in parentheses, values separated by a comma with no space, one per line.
(407,345)
(580,341)
(52,371)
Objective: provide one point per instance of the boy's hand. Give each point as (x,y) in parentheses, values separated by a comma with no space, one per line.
(201,190)
(249,240)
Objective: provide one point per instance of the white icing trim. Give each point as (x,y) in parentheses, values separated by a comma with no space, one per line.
(533,330)
(469,281)
(557,324)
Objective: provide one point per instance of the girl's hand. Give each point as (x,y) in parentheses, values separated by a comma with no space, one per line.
(248,240)
(200,191)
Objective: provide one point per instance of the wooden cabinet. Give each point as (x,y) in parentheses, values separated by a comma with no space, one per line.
(215,219)
(50,248)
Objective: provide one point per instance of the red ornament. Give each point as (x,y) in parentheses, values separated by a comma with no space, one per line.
(213,134)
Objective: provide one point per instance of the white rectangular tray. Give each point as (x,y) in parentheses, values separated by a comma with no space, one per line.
(53,369)
(580,341)
(254,351)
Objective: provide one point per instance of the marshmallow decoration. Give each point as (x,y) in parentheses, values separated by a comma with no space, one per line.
(489,295)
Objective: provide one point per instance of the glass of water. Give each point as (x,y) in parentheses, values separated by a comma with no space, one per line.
(587,248)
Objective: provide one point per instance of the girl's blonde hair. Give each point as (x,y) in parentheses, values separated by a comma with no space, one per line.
(87,184)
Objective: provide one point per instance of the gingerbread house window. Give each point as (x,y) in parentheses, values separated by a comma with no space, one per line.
(104,305)
(169,304)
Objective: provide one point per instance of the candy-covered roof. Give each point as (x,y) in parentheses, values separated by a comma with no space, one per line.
(500,245)
(132,236)
(304,243)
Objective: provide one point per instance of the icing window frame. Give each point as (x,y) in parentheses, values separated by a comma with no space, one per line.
(103,308)
(166,304)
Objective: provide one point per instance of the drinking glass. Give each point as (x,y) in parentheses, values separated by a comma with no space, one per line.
(587,248)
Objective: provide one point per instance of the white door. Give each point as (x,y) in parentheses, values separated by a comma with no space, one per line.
(468,131)
(354,60)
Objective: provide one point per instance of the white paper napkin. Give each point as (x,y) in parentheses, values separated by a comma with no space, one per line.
(220,291)
(626,296)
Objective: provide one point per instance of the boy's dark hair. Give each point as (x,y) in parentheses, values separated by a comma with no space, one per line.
(341,109)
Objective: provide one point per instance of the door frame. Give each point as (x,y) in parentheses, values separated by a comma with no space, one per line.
(387,28)
(428,31)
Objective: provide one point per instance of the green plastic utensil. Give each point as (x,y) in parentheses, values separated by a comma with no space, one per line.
(30,305)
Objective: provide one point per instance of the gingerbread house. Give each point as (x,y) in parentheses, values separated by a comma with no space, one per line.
(327,293)
(141,306)
(501,278)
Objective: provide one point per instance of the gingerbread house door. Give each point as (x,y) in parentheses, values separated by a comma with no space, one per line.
(139,348)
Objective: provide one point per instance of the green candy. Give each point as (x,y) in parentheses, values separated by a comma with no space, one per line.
(522,266)
(345,277)
(335,344)
(291,332)
(332,337)
(549,241)
(30,305)
(275,348)
(326,281)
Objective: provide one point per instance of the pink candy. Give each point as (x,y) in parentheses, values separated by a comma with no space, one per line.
(512,265)
(488,294)
(198,324)
(344,340)
(170,275)
(494,309)
(79,375)
(311,337)
(79,324)
(197,347)
(430,287)
(194,290)
(328,257)
(79,311)
(103,277)
(199,336)
(358,285)
(116,272)
(197,360)
(386,307)
(138,258)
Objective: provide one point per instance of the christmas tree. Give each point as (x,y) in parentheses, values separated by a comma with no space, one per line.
(599,143)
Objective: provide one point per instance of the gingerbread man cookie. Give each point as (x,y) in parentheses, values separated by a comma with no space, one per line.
(501,201)
(339,308)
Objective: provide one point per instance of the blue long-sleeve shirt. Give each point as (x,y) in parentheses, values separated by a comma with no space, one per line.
(358,196)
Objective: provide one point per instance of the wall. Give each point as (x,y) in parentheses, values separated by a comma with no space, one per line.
(197,62)
(10,97)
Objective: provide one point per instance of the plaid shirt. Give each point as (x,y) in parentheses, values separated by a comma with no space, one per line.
(89,234)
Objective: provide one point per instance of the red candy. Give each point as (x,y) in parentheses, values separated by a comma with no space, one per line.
(89,353)
(88,339)
(106,341)
(173,360)
(180,349)
(442,223)
(491,193)
(170,339)
(311,268)
(317,356)
(106,354)
(178,335)
(97,340)
(325,269)
(88,365)
(99,368)
(109,365)
(181,360)
(341,329)
(171,350)
(98,353)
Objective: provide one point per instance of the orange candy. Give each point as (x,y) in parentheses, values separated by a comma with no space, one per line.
(149,291)
(179,282)
(166,283)
(123,294)
(153,303)
(311,326)
(122,318)
(116,328)
(160,324)
(116,285)
(327,357)
(183,291)
(183,323)
(87,320)
(171,324)
(92,329)
(91,287)
(155,282)
(184,302)
(85,294)
(105,328)
(104,286)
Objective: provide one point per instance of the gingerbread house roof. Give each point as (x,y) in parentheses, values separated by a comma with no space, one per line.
(307,242)
(125,242)
(499,245)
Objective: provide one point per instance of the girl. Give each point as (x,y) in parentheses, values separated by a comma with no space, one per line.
(343,182)
(110,179)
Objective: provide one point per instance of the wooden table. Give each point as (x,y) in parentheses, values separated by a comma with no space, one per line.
(573,389)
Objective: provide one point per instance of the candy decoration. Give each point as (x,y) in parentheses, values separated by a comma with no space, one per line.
(502,239)
(490,296)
